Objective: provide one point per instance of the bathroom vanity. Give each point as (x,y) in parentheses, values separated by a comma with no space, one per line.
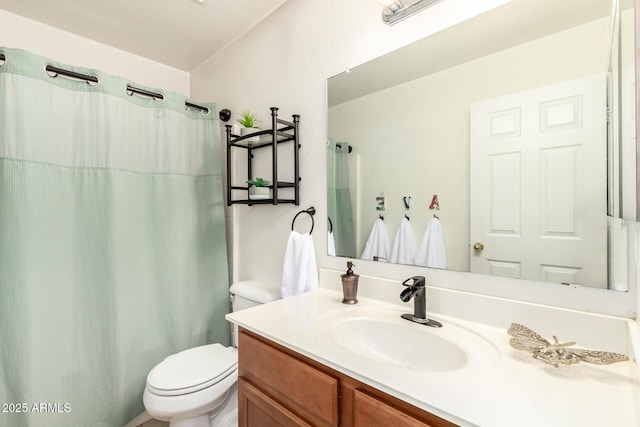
(277,386)
(301,362)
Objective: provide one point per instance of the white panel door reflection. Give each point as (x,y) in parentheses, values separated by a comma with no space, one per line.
(538,184)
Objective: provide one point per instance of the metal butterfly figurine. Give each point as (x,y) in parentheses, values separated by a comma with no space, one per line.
(526,339)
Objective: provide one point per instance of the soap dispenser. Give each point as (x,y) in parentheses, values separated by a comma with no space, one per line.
(350,285)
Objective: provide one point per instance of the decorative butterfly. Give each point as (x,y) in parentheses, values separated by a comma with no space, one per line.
(528,340)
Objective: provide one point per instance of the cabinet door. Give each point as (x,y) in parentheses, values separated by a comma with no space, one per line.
(256,409)
(369,411)
(298,386)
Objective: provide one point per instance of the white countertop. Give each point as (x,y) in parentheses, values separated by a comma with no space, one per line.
(497,387)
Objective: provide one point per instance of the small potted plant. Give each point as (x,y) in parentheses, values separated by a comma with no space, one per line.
(259,189)
(249,121)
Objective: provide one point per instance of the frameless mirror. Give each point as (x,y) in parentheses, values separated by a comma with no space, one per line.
(507,142)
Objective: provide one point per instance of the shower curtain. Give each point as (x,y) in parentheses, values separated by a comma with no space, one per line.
(112,242)
(339,199)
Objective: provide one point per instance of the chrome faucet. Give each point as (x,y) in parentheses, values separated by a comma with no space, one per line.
(416,290)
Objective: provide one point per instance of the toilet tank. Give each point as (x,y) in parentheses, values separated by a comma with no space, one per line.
(247,294)
(250,293)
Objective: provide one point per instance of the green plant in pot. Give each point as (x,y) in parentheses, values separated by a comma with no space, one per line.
(249,122)
(248,119)
(259,189)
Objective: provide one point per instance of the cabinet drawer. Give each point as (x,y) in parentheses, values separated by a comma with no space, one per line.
(369,411)
(303,389)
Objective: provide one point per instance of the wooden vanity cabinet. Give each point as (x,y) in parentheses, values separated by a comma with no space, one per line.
(279,387)
(298,389)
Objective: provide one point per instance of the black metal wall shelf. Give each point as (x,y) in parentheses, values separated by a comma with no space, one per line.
(281,131)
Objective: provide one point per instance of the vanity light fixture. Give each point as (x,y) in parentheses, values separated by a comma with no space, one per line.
(395,11)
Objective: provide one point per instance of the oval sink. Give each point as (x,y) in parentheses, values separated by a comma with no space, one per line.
(398,344)
(380,334)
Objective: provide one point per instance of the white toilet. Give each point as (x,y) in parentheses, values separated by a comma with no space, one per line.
(198,387)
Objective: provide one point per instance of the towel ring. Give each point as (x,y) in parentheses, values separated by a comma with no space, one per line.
(311,212)
(330,225)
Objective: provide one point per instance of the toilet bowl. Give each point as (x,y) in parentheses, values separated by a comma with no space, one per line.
(187,388)
(198,387)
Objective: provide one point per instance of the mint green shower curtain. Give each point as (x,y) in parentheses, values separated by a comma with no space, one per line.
(339,199)
(112,242)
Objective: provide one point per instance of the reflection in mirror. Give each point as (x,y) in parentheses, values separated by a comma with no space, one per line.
(341,238)
(519,122)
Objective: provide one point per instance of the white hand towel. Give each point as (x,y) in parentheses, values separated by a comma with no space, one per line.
(404,245)
(378,244)
(299,272)
(431,251)
(331,244)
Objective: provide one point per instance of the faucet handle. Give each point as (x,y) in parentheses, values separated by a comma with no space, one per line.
(415,281)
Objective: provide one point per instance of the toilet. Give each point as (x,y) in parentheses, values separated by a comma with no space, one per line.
(198,387)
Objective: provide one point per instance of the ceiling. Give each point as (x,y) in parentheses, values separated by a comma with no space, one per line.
(179,33)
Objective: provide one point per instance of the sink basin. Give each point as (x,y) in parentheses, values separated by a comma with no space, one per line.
(398,345)
(380,334)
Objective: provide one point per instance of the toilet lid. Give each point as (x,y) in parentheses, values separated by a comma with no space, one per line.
(192,370)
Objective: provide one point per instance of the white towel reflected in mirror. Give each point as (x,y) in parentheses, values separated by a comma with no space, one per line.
(404,245)
(378,247)
(431,250)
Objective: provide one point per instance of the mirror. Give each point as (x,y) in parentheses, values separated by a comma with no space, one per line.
(507,141)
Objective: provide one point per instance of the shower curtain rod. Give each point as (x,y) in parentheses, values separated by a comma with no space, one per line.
(55,71)
(159,96)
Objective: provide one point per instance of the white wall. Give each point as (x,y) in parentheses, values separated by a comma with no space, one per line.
(68,48)
(285,62)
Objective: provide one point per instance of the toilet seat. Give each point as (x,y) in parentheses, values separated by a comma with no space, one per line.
(192,370)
